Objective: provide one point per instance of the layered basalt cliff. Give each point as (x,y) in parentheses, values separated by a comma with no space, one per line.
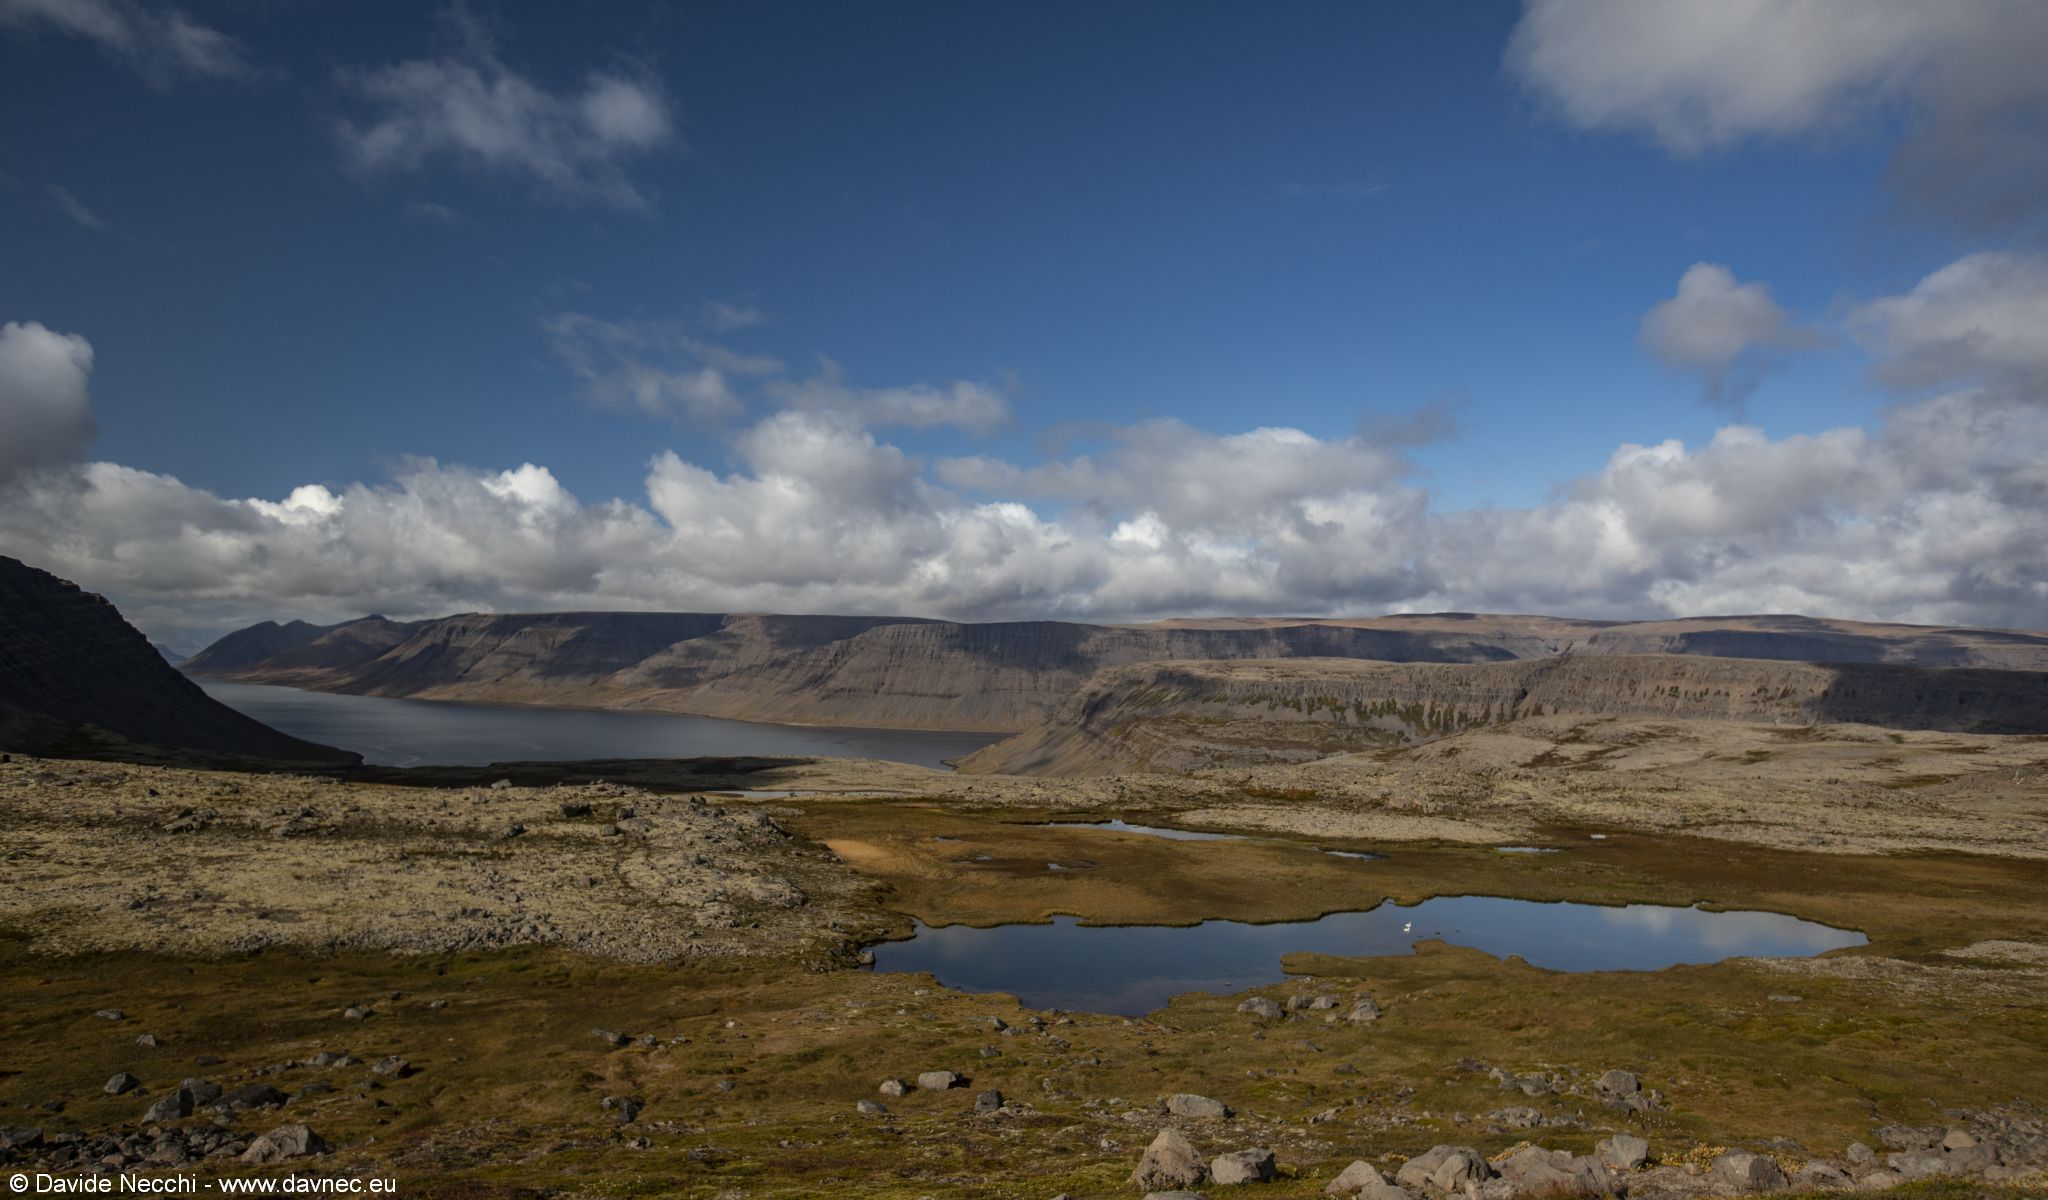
(69,665)
(896,672)
(1189,716)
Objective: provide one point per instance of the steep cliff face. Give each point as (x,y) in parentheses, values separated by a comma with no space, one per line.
(68,661)
(894,672)
(1186,716)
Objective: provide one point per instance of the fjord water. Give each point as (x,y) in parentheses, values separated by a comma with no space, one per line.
(1136,969)
(393,732)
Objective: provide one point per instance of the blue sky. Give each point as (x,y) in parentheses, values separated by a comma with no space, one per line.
(292,269)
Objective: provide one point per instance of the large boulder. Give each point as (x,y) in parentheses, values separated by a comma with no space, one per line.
(171,1107)
(284,1142)
(1623,1151)
(939,1081)
(1535,1172)
(1262,1008)
(1444,1169)
(1363,1011)
(1170,1162)
(1352,1179)
(1187,1104)
(1746,1172)
(1243,1166)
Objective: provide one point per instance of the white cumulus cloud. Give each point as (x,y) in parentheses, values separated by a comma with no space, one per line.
(45,405)
(1937,514)
(1962,78)
(1728,334)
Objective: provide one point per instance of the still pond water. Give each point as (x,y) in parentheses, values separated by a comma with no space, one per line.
(408,733)
(1135,969)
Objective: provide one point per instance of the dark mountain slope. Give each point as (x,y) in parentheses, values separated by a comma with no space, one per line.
(69,663)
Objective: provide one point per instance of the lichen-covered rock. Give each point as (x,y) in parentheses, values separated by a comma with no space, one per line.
(284,1142)
(1170,1162)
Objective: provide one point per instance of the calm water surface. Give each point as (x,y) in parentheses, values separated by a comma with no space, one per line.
(1119,825)
(410,733)
(1134,969)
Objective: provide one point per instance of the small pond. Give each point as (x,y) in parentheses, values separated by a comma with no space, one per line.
(1135,969)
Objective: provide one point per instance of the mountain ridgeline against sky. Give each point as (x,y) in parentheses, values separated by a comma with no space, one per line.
(889,672)
(69,665)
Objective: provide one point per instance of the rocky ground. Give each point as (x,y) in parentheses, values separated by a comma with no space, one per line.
(640,984)
(104,856)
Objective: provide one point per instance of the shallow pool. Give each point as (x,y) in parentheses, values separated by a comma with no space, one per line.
(1133,969)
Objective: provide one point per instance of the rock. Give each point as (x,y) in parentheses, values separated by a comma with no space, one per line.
(1785,998)
(576,808)
(19,1137)
(610,1037)
(1176,1194)
(1879,1180)
(624,1108)
(393,1065)
(1170,1162)
(111,1014)
(1971,1160)
(1957,1139)
(121,1082)
(1324,1002)
(1519,1116)
(725,1085)
(1243,1166)
(1623,1151)
(870,1108)
(173,1107)
(501,785)
(1352,1178)
(1746,1172)
(939,1081)
(1820,1174)
(1533,1171)
(1619,1084)
(1918,1164)
(1363,1011)
(254,1095)
(988,1101)
(1185,1104)
(893,1087)
(1444,1168)
(1860,1155)
(1384,1191)
(284,1142)
(203,1091)
(355,1012)
(1908,1137)
(147,1041)
(1260,1007)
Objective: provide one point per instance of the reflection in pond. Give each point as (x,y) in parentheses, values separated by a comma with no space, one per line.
(1362,855)
(1132,969)
(1525,849)
(1118,825)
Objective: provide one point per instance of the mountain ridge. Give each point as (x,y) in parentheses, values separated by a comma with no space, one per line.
(1187,716)
(920,673)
